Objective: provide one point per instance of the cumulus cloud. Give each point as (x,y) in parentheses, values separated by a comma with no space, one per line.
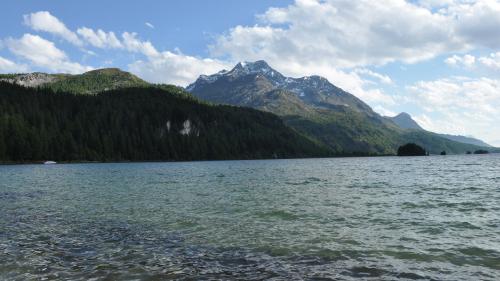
(492,61)
(175,68)
(466,60)
(133,44)
(8,66)
(459,105)
(44,21)
(342,33)
(100,38)
(478,22)
(43,53)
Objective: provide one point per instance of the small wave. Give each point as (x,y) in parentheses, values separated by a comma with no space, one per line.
(432,230)
(411,205)
(364,271)
(463,225)
(410,275)
(306,181)
(480,252)
(284,215)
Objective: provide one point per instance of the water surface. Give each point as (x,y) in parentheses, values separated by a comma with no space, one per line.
(427,218)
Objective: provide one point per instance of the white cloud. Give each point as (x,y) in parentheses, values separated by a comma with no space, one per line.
(478,22)
(135,45)
(384,111)
(8,66)
(342,33)
(430,4)
(346,34)
(148,24)
(381,77)
(465,60)
(492,61)
(459,105)
(44,21)
(99,38)
(174,68)
(43,53)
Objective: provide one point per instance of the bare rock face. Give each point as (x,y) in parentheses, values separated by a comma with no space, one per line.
(31,79)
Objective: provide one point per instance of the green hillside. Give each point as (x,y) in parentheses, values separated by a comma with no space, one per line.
(96,81)
(91,82)
(148,123)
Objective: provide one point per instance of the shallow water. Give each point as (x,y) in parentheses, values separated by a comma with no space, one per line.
(428,218)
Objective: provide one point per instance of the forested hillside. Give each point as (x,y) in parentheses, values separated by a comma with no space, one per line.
(91,82)
(148,123)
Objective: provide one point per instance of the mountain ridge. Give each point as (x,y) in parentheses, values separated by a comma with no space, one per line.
(90,82)
(310,105)
(405,121)
(312,89)
(314,106)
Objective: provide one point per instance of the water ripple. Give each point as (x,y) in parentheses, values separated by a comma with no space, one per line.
(432,218)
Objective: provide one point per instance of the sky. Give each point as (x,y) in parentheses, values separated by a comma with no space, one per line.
(438,60)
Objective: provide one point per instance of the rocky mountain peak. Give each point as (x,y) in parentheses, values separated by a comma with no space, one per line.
(405,121)
(313,90)
(34,79)
(258,67)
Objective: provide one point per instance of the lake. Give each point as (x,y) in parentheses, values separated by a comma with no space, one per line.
(389,218)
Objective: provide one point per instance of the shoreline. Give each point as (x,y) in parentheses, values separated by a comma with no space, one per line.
(41,162)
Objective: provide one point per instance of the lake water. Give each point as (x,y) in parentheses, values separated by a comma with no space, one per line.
(429,218)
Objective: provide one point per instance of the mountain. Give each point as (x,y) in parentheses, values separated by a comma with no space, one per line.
(90,82)
(316,108)
(405,121)
(326,119)
(136,123)
(247,81)
(464,139)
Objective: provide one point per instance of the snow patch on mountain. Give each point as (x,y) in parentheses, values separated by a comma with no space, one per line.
(302,86)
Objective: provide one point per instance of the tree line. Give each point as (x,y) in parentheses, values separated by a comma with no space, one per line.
(138,124)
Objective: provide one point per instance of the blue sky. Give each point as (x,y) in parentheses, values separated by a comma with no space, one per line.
(438,60)
(188,25)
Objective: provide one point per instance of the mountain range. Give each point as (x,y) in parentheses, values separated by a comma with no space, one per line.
(320,110)
(324,118)
(405,121)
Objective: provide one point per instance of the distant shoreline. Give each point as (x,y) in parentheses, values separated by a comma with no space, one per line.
(217,160)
